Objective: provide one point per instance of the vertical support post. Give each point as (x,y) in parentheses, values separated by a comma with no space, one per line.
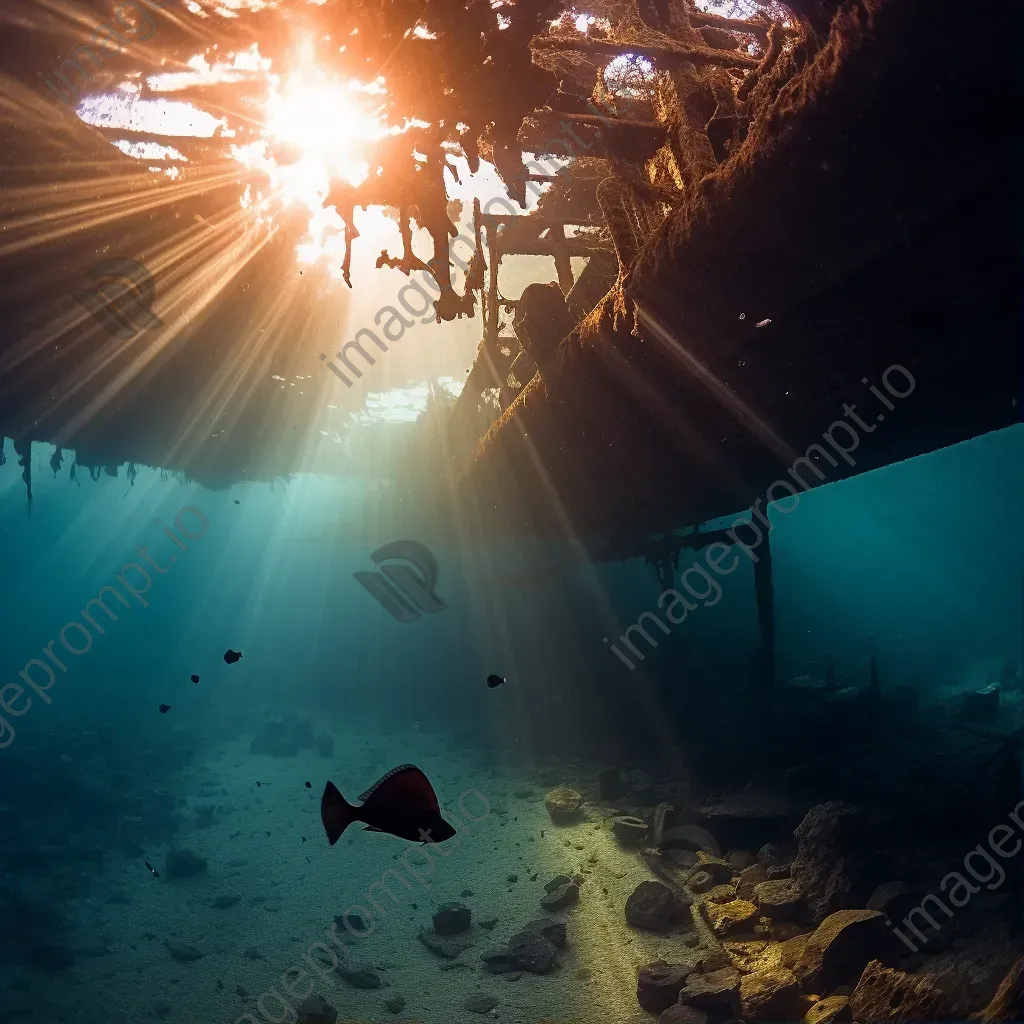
(563,264)
(764,672)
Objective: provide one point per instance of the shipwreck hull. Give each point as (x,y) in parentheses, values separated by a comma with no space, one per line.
(873,218)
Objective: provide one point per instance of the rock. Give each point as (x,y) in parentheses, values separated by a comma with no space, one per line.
(883,994)
(325,745)
(828,1010)
(840,947)
(352,923)
(791,951)
(359,974)
(446,947)
(630,831)
(740,860)
(894,899)
(184,864)
(721,894)
(653,907)
(720,870)
(781,898)
(531,951)
(730,917)
(681,858)
(481,1003)
(718,993)
(316,1010)
(395,1003)
(225,901)
(749,879)
(564,896)
(564,805)
(680,1014)
(771,995)
(452,919)
(826,865)
(701,881)
(611,784)
(553,931)
(980,705)
(771,854)
(183,953)
(498,960)
(658,985)
(777,871)
(487,923)
(556,883)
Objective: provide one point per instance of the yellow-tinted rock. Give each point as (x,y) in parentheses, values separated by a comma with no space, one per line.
(564,805)
(730,917)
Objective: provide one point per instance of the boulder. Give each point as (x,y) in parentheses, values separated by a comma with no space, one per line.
(721,894)
(828,1010)
(883,994)
(749,879)
(449,948)
(740,860)
(770,995)
(720,870)
(894,899)
(682,1014)
(316,1010)
(564,896)
(630,831)
(532,951)
(717,993)
(779,898)
(653,907)
(827,866)
(480,1003)
(564,805)
(452,919)
(734,916)
(553,931)
(841,946)
(359,974)
(701,881)
(658,985)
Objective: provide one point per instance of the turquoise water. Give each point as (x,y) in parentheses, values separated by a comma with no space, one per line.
(919,566)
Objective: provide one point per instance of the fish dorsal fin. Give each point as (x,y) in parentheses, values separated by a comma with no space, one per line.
(401,787)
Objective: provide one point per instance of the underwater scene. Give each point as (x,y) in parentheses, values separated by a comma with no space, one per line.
(200,683)
(510,511)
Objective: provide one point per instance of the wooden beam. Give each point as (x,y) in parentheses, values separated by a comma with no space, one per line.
(665,56)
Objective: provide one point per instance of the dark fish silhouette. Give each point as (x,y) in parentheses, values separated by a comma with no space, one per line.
(309,785)
(231,656)
(194,678)
(403,804)
(493,681)
(152,870)
(237,502)
(164,708)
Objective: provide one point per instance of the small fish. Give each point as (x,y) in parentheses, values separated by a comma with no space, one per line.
(164,708)
(231,656)
(493,681)
(402,803)
(237,502)
(258,784)
(194,678)
(309,785)
(152,870)
(303,838)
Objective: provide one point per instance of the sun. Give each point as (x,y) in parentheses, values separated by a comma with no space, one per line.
(323,122)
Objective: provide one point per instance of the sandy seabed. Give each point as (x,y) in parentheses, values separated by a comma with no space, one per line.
(290,892)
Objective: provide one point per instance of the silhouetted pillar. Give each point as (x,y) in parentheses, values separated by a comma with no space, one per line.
(764,671)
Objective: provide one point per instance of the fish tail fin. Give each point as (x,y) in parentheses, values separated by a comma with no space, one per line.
(335,812)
